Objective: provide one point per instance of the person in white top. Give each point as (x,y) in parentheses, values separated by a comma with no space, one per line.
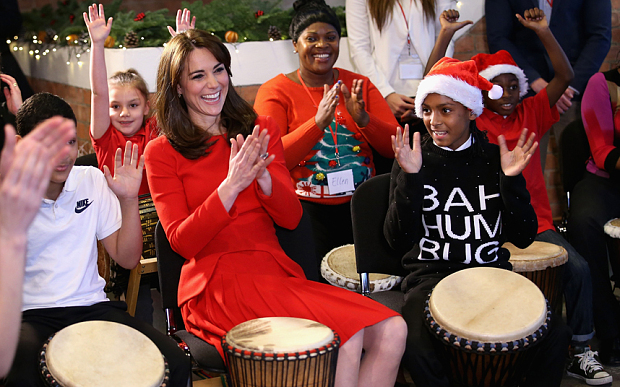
(25,171)
(61,283)
(390,42)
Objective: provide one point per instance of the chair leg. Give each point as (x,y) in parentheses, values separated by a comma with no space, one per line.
(132,289)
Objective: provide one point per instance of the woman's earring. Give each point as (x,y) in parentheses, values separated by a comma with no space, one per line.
(180,95)
(294,51)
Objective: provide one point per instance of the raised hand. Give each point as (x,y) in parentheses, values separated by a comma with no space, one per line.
(12,94)
(25,171)
(354,101)
(409,159)
(514,162)
(127,172)
(98,28)
(449,20)
(327,106)
(183,22)
(534,19)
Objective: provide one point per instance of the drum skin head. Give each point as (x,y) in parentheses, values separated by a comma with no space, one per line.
(612,228)
(279,335)
(538,256)
(488,305)
(103,353)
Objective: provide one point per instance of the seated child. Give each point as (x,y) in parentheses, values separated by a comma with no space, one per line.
(507,116)
(25,171)
(454,165)
(119,105)
(61,282)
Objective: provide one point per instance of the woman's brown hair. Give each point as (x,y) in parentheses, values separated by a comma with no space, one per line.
(382,10)
(173,119)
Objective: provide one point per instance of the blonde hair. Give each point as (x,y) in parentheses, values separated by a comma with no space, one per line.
(130,78)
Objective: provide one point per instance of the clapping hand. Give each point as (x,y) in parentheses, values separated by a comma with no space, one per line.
(12,94)
(127,172)
(534,19)
(409,159)
(183,22)
(327,106)
(354,101)
(98,28)
(514,162)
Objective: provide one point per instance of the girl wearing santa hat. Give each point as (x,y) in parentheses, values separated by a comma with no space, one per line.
(452,175)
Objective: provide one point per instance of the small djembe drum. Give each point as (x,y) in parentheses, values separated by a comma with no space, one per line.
(281,352)
(488,320)
(102,353)
(148,218)
(338,268)
(543,263)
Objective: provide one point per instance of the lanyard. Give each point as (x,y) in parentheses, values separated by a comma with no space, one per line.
(550,2)
(407,23)
(334,132)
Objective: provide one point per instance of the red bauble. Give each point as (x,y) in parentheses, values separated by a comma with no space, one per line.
(333,163)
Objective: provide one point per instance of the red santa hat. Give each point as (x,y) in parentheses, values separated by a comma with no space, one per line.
(492,65)
(459,81)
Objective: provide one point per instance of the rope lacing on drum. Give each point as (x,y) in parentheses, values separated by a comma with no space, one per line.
(588,362)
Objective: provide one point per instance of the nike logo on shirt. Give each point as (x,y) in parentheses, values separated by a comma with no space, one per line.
(81,205)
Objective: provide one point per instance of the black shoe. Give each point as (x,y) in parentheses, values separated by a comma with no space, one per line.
(609,352)
(584,366)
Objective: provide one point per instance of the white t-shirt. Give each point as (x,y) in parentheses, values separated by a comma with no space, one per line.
(61,263)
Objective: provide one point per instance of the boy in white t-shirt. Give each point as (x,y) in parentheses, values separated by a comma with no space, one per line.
(61,282)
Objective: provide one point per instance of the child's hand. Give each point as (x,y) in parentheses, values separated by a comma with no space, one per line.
(354,101)
(127,172)
(514,162)
(96,24)
(183,23)
(449,21)
(12,94)
(327,106)
(534,19)
(409,159)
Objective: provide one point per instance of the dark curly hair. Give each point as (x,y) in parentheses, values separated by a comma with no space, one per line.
(39,108)
(308,12)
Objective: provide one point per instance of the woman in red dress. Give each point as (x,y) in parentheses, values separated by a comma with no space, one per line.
(219,182)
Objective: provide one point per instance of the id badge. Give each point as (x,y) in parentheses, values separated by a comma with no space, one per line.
(411,70)
(341,181)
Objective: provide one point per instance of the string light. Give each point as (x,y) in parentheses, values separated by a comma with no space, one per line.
(8,41)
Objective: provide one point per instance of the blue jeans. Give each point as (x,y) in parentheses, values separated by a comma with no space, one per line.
(577,288)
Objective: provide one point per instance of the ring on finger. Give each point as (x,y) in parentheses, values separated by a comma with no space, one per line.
(264,156)
(15,84)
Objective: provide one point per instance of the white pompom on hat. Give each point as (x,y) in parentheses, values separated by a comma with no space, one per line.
(459,81)
(492,65)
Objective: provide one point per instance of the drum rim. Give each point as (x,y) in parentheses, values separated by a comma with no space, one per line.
(611,230)
(337,279)
(50,379)
(475,346)
(231,350)
(520,265)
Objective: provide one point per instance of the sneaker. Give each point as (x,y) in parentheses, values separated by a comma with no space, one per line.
(584,366)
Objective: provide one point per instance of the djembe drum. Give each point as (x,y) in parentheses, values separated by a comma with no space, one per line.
(488,320)
(338,268)
(543,263)
(281,352)
(102,353)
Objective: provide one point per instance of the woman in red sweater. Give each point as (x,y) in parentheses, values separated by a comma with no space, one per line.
(219,182)
(329,119)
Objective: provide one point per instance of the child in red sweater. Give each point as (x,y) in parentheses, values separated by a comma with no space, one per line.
(507,116)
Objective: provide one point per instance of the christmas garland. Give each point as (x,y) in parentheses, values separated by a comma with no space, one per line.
(233,21)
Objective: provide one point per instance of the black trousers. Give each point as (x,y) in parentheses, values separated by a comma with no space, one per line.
(594,201)
(38,324)
(421,354)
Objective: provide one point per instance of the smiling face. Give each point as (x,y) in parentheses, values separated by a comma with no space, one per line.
(204,86)
(318,48)
(127,109)
(446,120)
(510,98)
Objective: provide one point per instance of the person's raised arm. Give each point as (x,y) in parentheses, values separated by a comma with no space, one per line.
(449,25)
(99,30)
(25,172)
(12,94)
(125,244)
(183,22)
(536,20)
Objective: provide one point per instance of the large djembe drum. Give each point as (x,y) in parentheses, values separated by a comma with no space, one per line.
(339,268)
(488,320)
(281,352)
(102,353)
(543,263)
